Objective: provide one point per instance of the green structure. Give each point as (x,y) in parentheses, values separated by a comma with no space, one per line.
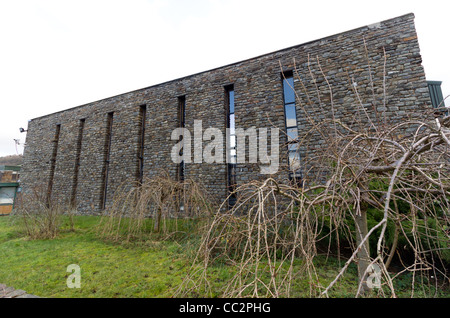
(437,99)
(9,185)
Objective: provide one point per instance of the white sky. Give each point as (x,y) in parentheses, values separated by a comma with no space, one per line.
(60,54)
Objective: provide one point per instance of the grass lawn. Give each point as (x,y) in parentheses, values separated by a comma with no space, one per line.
(108,270)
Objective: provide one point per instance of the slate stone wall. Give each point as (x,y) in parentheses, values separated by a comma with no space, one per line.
(382,61)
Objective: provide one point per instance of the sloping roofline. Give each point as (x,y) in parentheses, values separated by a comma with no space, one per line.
(231,64)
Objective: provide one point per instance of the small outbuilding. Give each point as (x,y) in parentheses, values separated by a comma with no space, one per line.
(9,186)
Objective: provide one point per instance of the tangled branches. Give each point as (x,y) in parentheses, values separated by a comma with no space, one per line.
(261,237)
(368,164)
(161,200)
(39,218)
(388,169)
(273,225)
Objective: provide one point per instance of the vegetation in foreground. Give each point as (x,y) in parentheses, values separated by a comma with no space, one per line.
(155,268)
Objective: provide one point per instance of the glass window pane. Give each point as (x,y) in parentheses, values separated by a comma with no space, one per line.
(7,195)
(232,125)
(232,173)
(293,147)
(292,134)
(289,96)
(291,119)
(231,101)
(232,141)
(294,161)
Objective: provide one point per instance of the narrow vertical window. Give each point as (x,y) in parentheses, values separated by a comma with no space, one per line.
(290,114)
(141,143)
(77,163)
(181,124)
(231,149)
(53,163)
(106,155)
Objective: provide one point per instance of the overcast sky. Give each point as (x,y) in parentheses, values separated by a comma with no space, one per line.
(60,54)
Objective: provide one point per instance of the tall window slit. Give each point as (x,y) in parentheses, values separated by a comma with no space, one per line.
(291,127)
(77,162)
(106,157)
(231,149)
(141,143)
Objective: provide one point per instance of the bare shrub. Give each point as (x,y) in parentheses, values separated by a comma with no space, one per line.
(396,165)
(270,228)
(408,170)
(160,205)
(37,216)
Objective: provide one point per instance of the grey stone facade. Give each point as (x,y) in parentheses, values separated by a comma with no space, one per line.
(71,163)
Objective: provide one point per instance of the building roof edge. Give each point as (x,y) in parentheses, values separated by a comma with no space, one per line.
(234,63)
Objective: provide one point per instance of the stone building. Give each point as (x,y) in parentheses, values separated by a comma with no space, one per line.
(83,154)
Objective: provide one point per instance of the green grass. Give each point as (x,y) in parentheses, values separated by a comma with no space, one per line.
(108,270)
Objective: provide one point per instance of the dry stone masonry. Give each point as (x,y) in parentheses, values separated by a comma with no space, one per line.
(84,154)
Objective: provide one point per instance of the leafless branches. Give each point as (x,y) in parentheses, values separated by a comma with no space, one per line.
(261,237)
(373,161)
(161,200)
(38,218)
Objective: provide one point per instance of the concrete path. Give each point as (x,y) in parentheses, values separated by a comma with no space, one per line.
(9,292)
